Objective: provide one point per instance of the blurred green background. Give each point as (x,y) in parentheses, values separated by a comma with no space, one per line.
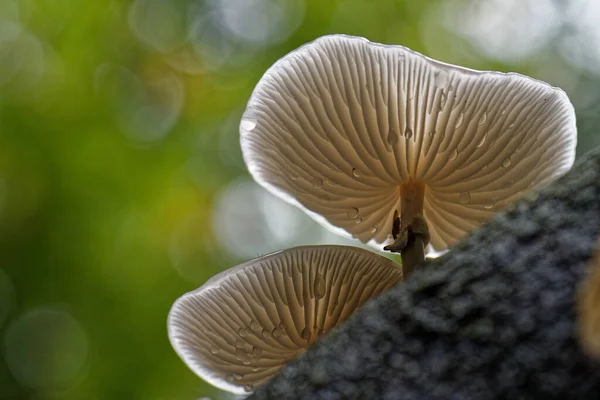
(121,179)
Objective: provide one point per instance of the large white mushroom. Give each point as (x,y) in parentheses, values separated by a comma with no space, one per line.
(239,328)
(391,147)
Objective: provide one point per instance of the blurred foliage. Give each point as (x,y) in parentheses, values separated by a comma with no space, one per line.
(118,138)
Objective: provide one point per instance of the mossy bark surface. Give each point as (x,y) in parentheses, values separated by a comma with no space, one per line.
(493,319)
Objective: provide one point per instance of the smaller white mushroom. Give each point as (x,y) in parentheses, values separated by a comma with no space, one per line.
(239,328)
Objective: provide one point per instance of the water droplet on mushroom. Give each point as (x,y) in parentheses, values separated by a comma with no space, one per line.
(355,173)
(277,333)
(453,155)
(374,229)
(441,79)
(459,120)
(255,326)
(240,344)
(229,378)
(392,138)
(248,123)
(238,377)
(265,334)
(506,163)
(511,126)
(358,221)
(257,352)
(215,350)
(482,141)
(305,333)
(464,198)
(319,286)
(317,183)
(248,388)
(408,133)
(242,332)
(293,176)
(352,212)
(489,203)
(483,118)
(255,369)
(241,355)
(443,98)
(329,182)
(503,112)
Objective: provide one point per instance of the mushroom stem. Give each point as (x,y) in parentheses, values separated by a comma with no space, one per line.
(413,235)
(412,255)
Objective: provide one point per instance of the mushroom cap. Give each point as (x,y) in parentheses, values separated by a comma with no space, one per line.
(336,126)
(239,328)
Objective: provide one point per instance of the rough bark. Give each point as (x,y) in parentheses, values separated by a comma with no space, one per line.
(493,319)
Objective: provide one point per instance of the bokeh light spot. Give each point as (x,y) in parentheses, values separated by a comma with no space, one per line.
(45,348)
(249,221)
(144,110)
(504,29)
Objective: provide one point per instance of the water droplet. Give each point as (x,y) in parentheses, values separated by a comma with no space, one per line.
(408,133)
(240,344)
(459,120)
(454,155)
(443,98)
(317,183)
(355,173)
(277,333)
(483,119)
(482,141)
(215,350)
(374,229)
(392,138)
(248,388)
(506,163)
(352,212)
(265,334)
(503,112)
(242,332)
(441,79)
(255,326)
(293,176)
(257,352)
(229,378)
(464,198)
(306,333)
(319,286)
(248,123)
(511,126)
(242,356)
(358,221)
(255,369)
(489,203)
(329,182)
(238,377)
(431,133)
